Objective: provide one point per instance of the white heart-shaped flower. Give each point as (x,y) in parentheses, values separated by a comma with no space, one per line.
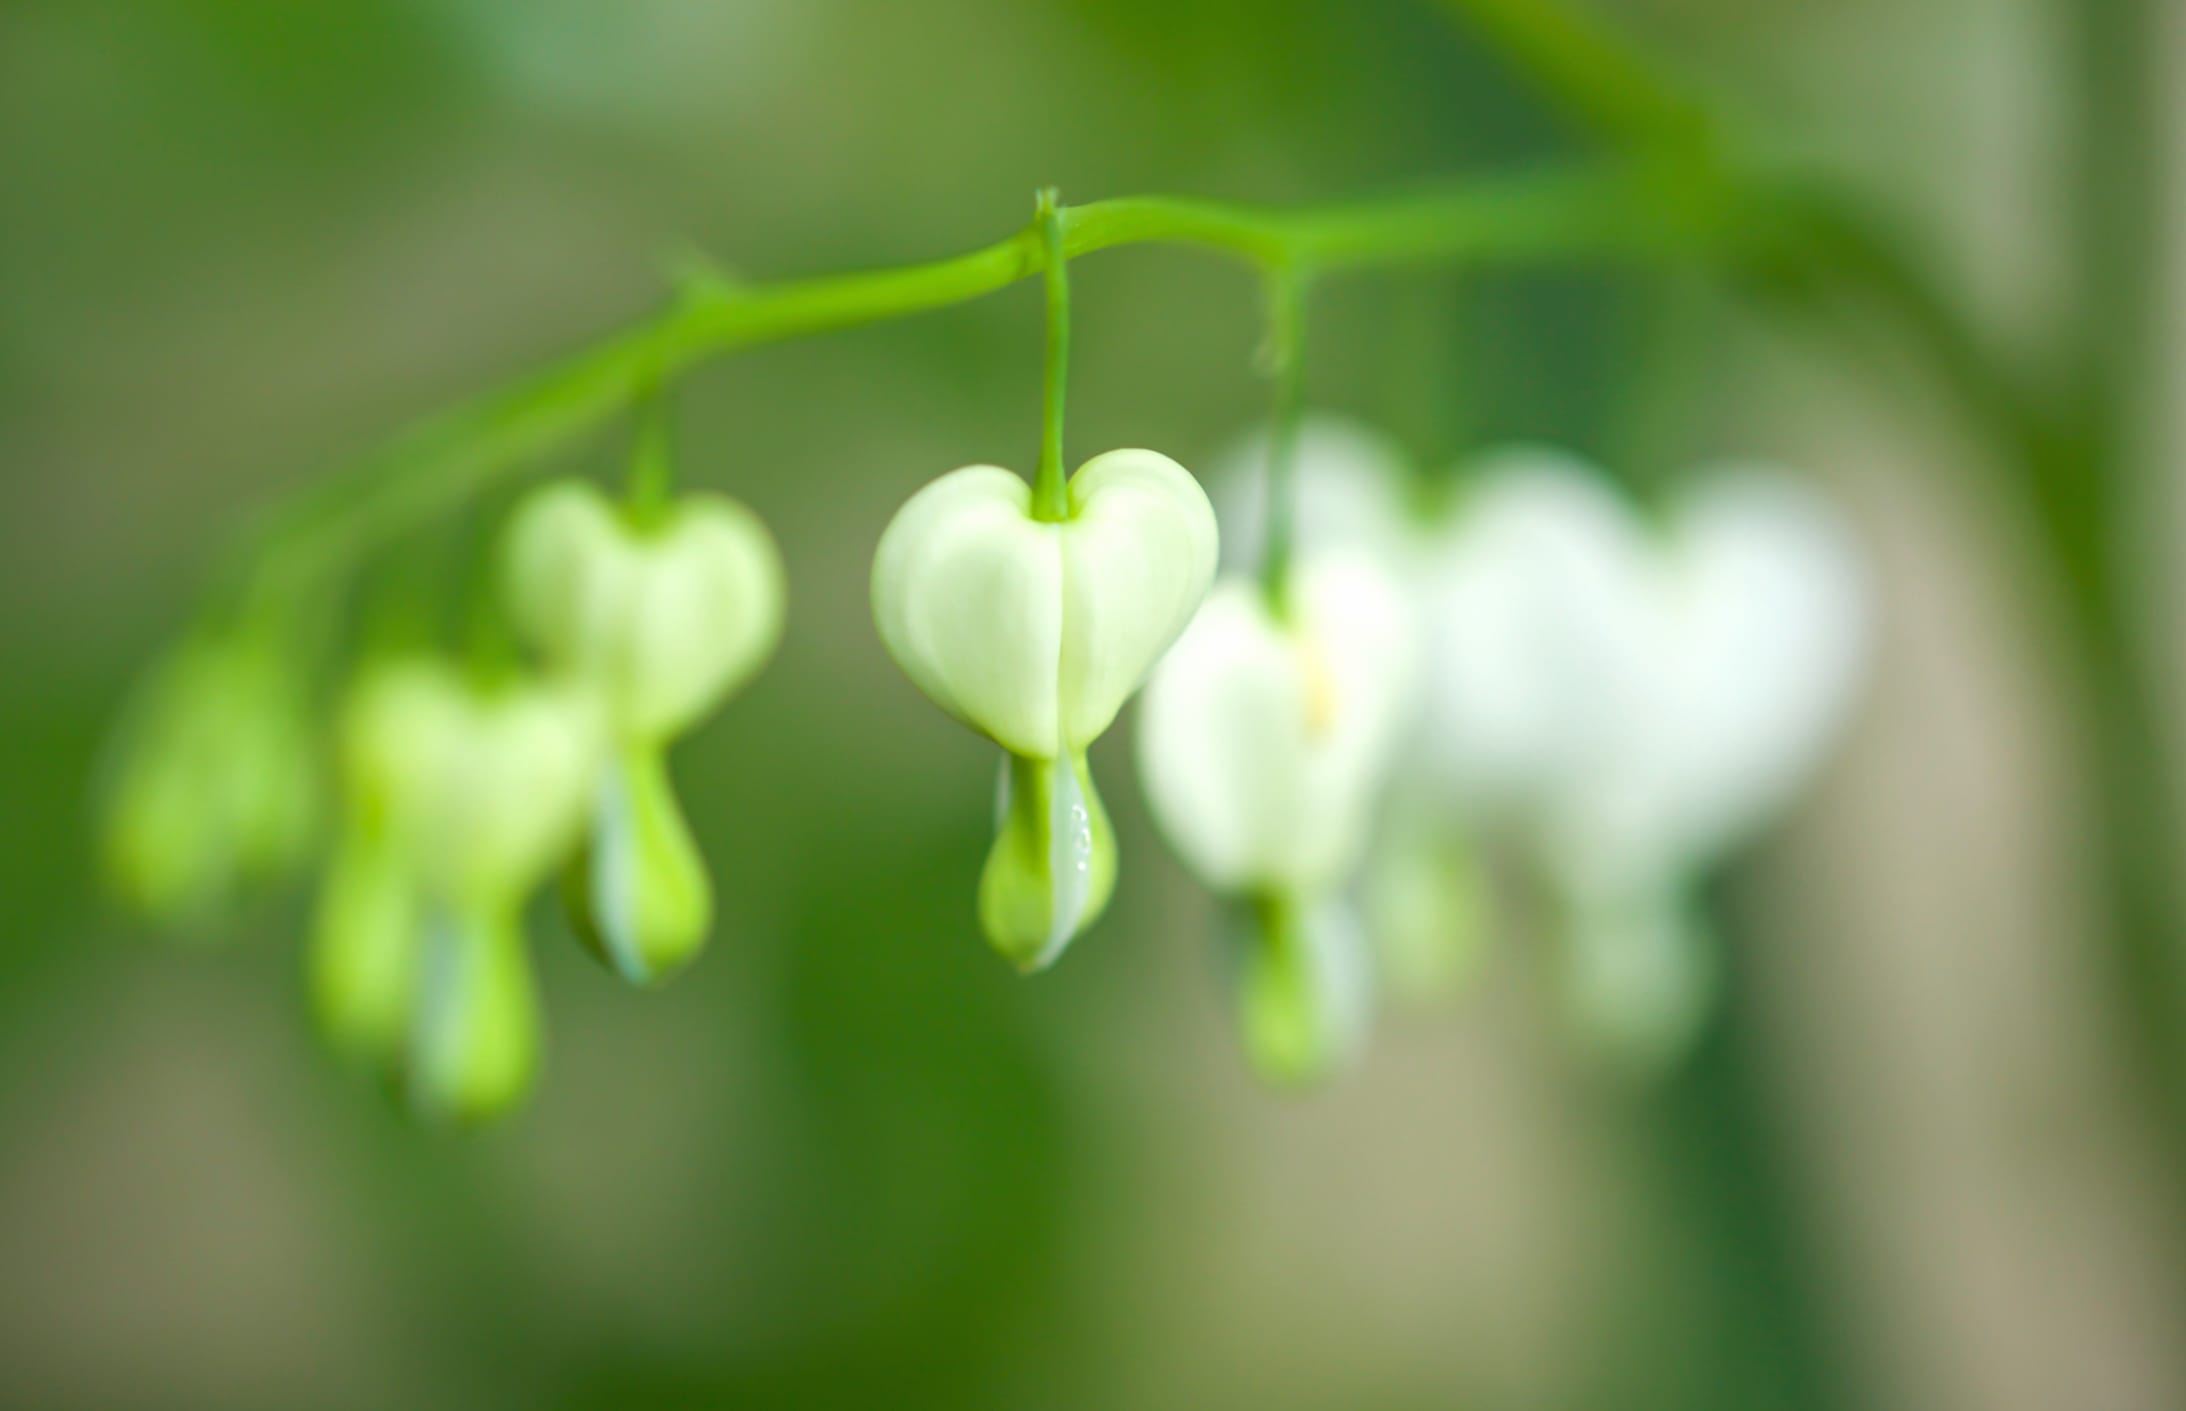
(1263,743)
(664,619)
(1035,633)
(1754,641)
(1536,599)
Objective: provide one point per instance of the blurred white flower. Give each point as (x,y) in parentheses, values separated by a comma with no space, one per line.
(1753,639)
(1537,598)
(1264,742)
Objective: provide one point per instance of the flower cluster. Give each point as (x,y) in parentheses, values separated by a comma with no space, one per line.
(462,788)
(1616,696)
(1331,737)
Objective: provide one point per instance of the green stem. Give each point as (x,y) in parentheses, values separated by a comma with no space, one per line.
(1286,359)
(2095,489)
(1050,487)
(1595,210)
(652,454)
(1591,70)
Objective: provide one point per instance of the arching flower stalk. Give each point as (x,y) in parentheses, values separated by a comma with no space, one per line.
(458,801)
(659,613)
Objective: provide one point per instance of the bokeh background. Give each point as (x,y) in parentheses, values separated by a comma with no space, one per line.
(850,1160)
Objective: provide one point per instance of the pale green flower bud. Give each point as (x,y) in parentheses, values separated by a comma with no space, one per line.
(1426,906)
(638,893)
(664,619)
(1640,975)
(1053,864)
(1035,633)
(215,788)
(1264,743)
(1304,990)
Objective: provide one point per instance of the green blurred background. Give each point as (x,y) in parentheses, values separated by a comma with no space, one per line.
(851,1160)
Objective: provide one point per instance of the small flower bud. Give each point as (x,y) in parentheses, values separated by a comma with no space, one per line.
(638,893)
(215,789)
(1304,989)
(1053,864)
(1640,975)
(1035,633)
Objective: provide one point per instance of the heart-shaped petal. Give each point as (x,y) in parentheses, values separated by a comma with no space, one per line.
(1754,639)
(1536,600)
(663,619)
(1035,633)
(1263,744)
(484,790)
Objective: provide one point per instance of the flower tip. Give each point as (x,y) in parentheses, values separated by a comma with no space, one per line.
(637,894)
(1052,868)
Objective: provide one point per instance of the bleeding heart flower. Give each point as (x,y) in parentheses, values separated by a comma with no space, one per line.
(1264,742)
(661,616)
(1035,633)
(459,802)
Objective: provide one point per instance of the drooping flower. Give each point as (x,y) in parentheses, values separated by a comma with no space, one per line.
(458,802)
(1535,595)
(1265,743)
(1034,633)
(661,616)
(215,788)
(1751,640)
